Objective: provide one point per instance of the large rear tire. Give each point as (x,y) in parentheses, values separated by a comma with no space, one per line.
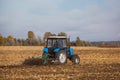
(61,57)
(75,59)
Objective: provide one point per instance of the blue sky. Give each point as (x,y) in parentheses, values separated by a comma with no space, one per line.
(93,20)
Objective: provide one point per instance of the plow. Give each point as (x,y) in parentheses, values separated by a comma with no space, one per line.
(57,50)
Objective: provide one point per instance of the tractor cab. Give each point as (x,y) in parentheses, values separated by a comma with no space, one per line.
(57,48)
(53,42)
(57,42)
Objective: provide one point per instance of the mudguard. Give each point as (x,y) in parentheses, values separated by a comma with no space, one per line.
(71,51)
(45,50)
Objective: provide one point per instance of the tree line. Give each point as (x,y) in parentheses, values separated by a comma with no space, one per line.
(33,40)
(106,44)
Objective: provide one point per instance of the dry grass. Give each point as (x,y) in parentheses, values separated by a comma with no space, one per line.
(96,64)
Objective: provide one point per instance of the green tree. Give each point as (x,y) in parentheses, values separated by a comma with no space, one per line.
(47,34)
(19,42)
(31,35)
(88,43)
(62,34)
(53,34)
(10,39)
(2,40)
(78,41)
(31,38)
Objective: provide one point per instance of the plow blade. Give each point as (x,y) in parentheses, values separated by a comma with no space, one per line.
(42,60)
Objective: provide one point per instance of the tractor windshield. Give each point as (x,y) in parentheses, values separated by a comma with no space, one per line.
(56,43)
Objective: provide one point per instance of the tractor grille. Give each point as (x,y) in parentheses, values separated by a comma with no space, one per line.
(50,50)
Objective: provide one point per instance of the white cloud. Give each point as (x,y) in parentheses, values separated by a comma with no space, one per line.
(91,23)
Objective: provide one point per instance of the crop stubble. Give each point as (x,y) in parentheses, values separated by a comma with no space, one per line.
(96,64)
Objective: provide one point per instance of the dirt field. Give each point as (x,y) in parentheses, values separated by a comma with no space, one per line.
(96,64)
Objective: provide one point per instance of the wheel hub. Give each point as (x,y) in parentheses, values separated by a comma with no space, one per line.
(77,60)
(62,58)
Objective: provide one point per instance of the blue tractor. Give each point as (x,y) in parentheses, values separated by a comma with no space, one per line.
(58,50)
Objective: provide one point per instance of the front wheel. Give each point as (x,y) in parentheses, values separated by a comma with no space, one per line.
(61,57)
(75,59)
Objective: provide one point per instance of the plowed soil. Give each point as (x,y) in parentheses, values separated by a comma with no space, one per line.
(95,64)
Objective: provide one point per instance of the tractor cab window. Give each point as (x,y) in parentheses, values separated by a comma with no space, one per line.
(56,43)
(64,43)
(49,43)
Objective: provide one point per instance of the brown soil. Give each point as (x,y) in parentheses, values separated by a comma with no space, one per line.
(96,64)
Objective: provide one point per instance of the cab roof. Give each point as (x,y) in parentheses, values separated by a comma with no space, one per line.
(57,37)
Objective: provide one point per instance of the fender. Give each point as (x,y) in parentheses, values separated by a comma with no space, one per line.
(71,52)
(45,50)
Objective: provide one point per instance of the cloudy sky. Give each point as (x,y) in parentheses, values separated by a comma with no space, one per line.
(93,20)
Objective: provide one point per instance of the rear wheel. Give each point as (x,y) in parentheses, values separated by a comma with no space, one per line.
(61,57)
(75,59)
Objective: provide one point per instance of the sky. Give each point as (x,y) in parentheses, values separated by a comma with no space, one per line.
(92,20)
